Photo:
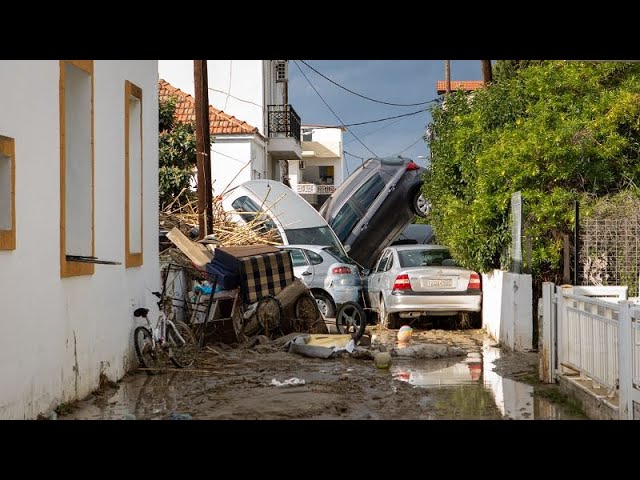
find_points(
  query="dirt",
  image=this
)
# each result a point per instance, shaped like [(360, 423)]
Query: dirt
[(237, 384)]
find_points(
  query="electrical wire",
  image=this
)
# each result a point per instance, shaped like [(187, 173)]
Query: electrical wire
[(364, 96), (404, 150), (331, 109), (385, 119), (376, 130), (229, 87), (234, 97)]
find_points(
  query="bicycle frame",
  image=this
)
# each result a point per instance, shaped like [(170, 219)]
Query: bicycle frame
[(159, 333)]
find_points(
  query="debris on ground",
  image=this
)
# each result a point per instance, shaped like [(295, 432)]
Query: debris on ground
[(287, 383), (180, 416), (428, 350), (382, 360)]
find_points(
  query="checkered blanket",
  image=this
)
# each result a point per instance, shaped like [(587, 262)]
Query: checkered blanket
[(265, 274)]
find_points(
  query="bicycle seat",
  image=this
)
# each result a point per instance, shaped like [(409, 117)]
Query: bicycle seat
[(140, 312)]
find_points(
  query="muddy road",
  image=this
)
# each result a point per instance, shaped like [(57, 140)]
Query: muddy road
[(238, 383)]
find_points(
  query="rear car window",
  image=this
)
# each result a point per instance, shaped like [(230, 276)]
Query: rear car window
[(312, 236), (369, 191), (245, 208), (338, 255), (423, 258), (314, 258), (344, 221)]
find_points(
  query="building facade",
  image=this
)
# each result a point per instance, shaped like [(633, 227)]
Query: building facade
[(320, 171), (78, 185), (255, 91)]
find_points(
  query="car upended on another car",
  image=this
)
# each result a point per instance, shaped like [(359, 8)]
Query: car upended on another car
[(374, 205), (410, 281)]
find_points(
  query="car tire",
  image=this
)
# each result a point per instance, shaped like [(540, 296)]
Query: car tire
[(387, 320), (419, 204), (325, 304)]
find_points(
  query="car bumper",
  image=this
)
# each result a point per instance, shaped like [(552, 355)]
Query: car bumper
[(433, 303), (345, 294)]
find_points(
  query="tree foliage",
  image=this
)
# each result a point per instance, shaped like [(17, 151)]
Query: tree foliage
[(177, 153), (557, 131)]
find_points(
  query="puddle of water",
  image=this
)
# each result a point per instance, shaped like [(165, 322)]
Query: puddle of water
[(470, 389)]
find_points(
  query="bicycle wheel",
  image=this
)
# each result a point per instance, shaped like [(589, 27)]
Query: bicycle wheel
[(148, 357), (351, 319), (182, 354)]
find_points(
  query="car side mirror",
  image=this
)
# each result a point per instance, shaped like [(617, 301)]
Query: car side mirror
[(347, 248)]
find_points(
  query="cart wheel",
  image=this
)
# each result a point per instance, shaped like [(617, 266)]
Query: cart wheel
[(269, 313), (306, 309)]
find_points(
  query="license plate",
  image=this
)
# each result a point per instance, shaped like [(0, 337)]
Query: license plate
[(438, 282)]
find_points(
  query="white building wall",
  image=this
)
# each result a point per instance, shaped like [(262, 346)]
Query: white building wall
[(507, 309), (235, 160), (59, 334)]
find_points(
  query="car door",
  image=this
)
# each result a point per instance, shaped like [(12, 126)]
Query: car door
[(318, 267), (301, 267), (375, 278)]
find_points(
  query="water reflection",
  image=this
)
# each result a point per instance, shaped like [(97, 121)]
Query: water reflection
[(472, 376)]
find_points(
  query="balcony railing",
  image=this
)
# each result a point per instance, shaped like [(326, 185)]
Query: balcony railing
[(283, 120), (311, 189)]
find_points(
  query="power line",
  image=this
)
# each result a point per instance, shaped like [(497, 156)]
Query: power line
[(364, 96), (404, 150), (385, 119), (376, 130), (329, 107), (237, 98)]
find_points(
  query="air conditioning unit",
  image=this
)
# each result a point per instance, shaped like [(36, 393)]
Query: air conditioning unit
[(282, 71), (300, 165)]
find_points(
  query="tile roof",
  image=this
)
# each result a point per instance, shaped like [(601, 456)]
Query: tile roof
[(467, 85), (219, 122)]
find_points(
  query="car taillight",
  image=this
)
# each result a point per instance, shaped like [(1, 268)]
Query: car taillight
[(341, 270), (412, 166), (474, 282), (402, 282)]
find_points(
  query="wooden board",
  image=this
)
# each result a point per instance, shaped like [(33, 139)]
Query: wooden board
[(196, 252)]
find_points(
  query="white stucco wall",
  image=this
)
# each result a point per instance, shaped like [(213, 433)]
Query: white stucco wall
[(229, 157), (507, 309), (59, 334)]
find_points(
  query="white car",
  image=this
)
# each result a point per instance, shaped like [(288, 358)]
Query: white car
[(296, 221), (409, 281)]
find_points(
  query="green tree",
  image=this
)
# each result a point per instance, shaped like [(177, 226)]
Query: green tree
[(557, 131), (177, 153)]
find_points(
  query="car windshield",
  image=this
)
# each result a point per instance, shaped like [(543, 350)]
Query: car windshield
[(339, 256), (425, 258), (313, 236)]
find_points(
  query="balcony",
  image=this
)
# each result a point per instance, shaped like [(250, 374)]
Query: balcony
[(313, 189), (283, 130)]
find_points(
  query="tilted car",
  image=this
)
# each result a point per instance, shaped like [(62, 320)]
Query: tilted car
[(409, 281), (278, 207), (374, 205), (332, 278)]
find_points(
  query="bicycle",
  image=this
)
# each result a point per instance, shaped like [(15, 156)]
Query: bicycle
[(168, 339)]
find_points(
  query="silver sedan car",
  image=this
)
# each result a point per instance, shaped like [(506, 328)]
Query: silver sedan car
[(332, 278), (409, 281)]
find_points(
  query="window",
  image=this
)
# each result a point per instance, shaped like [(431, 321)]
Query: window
[(344, 221), (133, 174), (307, 135), (297, 257), (383, 261), (7, 194), (76, 167), (314, 258), (424, 258), (369, 191), (248, 210)]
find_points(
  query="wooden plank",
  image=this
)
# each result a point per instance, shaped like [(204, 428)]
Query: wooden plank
[(196, 252)]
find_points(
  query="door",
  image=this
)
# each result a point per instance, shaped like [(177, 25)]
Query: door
[(301, 267), (375, 278)]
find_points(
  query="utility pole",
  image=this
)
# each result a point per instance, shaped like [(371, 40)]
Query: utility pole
[(487, 74), (447, 76), (203, 149)]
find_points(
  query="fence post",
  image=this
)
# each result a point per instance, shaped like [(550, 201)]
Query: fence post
[(625, 375), (547, 351)]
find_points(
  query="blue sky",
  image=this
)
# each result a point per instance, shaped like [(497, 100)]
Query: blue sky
[(394, 81)]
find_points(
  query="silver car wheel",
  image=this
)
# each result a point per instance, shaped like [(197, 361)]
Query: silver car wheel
[(322, 306), (422, 204)]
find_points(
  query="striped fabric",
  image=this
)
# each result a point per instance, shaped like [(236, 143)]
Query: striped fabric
[(265, 274)]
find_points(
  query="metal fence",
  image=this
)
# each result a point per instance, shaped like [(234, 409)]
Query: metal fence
[(609, 251)]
